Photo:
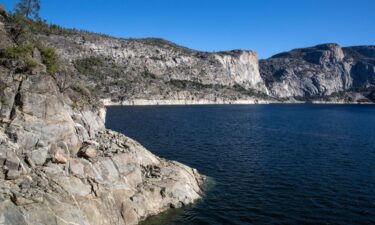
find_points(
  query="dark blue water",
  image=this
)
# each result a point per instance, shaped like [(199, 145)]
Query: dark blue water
[(271, 164)]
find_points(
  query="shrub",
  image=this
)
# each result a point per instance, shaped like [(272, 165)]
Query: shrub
[(50, 59), (249, 92), (81, 96), (87, 66), (84, 91), (193, 85), (24, 53), (21, 53)]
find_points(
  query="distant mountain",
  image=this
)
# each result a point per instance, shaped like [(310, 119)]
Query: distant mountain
[(158, 71), (325, 71), (155, 69)]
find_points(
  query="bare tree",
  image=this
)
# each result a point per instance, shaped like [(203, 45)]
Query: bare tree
[(63, 79)]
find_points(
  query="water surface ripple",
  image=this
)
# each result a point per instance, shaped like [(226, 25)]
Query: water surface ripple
[(270, 164)]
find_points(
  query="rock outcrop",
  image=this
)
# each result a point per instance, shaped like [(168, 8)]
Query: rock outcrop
[(243, 68), (59, 165), (323, 70)]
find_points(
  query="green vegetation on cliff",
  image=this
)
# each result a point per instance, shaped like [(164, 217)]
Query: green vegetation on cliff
[(27, 53), (49, 58)]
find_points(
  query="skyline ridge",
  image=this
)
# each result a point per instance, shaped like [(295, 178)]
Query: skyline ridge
[(269, 26)]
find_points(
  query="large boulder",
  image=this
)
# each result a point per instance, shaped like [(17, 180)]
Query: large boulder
[(59, 165), (116, 189), (39, 115)]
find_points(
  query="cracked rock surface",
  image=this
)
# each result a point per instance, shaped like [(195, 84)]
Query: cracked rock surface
[(59, 165), (52, 174)]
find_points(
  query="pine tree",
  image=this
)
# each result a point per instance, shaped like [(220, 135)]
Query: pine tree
[(28, 9)]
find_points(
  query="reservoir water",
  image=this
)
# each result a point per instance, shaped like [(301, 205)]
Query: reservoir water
[(268, 164)]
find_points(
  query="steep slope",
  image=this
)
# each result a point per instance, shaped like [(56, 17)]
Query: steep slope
[(323, 70), (154, 69), (58, 163)]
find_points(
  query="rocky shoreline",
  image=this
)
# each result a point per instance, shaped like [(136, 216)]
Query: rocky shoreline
[(59, 165), (341, 103), (145, 102)]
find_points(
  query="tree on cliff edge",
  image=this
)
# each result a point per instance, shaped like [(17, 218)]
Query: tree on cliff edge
[(25, 12), (28, 9)]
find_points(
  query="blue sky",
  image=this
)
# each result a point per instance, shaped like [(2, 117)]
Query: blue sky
[(266, 26)]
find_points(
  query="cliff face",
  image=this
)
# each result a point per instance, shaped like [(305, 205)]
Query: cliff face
[(320, 71), (156, 69), (163, 59), (243, 68), (59, 165)]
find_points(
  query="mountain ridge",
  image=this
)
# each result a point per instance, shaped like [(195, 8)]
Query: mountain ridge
[(158, 70)]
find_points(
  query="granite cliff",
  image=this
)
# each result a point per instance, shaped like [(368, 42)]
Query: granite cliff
[(155, 71), (58, 163), (325, 72)]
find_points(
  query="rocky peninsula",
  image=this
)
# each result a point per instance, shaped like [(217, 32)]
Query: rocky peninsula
[(58, 162)]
